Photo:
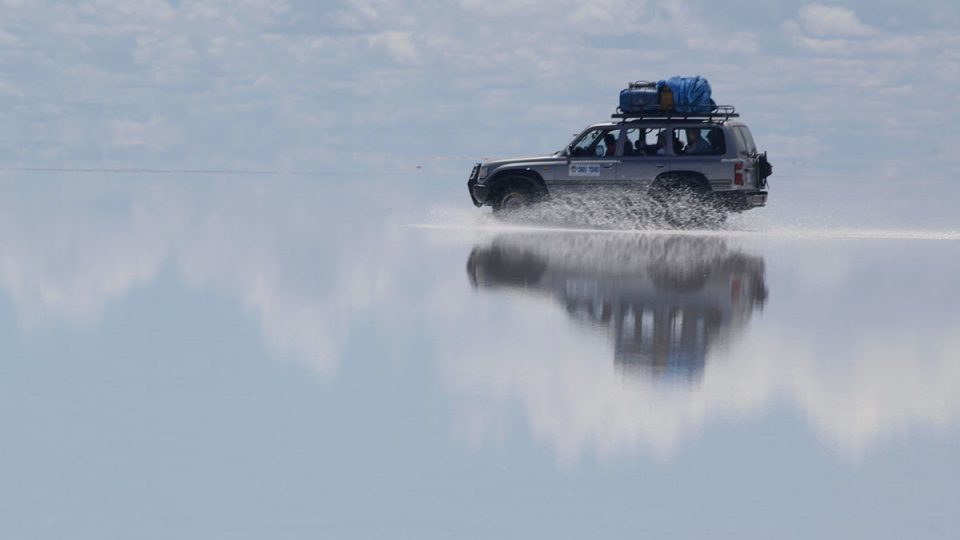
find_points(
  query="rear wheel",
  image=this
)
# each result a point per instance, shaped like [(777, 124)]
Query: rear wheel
[(687, 203)]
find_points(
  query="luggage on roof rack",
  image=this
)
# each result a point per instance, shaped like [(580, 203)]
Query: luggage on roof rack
[(691, 95), (640, 98)]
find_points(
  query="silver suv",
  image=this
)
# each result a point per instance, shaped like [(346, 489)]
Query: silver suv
[(707, 158)]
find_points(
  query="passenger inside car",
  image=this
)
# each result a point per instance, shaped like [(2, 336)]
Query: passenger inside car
[(661, 148), (695, 143), (610, 142)]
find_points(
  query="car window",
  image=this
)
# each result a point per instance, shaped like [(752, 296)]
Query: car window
[(598, 142), (748, 145), (644, 142), (707, 141)]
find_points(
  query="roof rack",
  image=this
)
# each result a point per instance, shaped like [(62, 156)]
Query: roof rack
[(720, 111)]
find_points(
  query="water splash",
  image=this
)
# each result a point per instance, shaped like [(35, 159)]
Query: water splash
[(615, 214)]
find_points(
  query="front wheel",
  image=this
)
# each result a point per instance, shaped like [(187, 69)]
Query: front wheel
[(511, 198)]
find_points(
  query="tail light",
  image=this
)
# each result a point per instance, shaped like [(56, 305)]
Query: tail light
[(738, 173)]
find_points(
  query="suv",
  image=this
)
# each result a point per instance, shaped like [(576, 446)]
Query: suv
[(708, 158)]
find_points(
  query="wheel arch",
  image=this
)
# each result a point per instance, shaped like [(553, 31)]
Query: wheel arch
[(530, 178)]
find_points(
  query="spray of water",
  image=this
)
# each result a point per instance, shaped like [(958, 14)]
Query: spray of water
[(621, 213)]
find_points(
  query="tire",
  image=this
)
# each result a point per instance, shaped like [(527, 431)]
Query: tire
[(514, 196), (687, 203)]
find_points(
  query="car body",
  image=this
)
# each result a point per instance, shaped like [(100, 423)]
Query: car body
[(660, 155)]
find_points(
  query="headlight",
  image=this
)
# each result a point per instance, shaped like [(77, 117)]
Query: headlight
[(482, 173)]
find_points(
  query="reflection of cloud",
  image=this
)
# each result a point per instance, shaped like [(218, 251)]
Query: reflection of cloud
[(58, 260), (572, 397), (70, 247), (665, 302), (858, 387), (875, 385)]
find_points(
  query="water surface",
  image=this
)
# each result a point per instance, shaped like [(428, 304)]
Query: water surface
[(289, 357)]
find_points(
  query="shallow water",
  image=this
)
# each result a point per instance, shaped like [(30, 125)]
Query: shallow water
[(206, 357)]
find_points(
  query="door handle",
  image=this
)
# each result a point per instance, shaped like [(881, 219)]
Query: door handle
[(607, 165), (660, 165)]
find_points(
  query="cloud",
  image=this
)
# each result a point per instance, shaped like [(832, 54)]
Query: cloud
[(7, 39), (11, 90), (399, 45), (202, 66), (795, 147), (829, 21), (154, 134), (795, 33)]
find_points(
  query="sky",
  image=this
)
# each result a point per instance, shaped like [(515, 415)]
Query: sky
[(370, 87)]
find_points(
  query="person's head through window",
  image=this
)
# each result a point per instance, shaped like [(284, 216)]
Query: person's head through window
[(610, 142), (715, 138), (695, 143), (661, 143)]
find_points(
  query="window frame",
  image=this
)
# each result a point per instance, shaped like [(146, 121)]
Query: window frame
[(593, 144), (675, 135)]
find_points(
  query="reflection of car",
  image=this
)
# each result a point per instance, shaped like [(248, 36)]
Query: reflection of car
[(709, 159), (666, 299)]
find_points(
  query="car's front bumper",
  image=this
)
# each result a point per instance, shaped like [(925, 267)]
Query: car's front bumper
[(478, 192)]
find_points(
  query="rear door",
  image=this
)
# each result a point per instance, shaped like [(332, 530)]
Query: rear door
[(699, 149)]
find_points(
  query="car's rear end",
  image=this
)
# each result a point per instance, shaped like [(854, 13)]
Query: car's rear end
[(747, 167)]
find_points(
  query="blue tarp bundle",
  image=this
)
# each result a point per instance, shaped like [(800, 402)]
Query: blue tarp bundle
[(690, 94)]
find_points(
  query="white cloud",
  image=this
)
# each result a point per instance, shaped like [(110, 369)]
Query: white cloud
[(154, 134), (591, 13), (170, 58), (11, 90), (829, 21), (7, 39), (787, 146), (399, 45), (204, 65), (798, 37), (133, 14)]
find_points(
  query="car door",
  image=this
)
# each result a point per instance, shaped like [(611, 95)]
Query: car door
[(701, 150), (645, 155), (591, 160)]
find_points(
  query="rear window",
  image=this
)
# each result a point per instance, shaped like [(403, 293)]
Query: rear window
[(699, 141), (746, 140), (650, 141)]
